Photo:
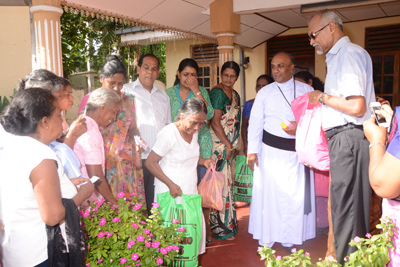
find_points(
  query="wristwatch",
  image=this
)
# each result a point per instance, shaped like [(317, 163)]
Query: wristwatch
[(320, 99)]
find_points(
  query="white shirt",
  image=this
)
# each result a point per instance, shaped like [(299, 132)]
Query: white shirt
[(349, 74), (153, 111), (179, 161), (270, 109), (24, 239), (5, 138)]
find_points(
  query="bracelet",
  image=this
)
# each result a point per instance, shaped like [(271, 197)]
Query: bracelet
[(377, 143), (199, 93), (230, 148), (320, 99)]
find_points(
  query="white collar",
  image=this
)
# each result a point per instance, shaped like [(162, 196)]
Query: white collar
[(138, 83)]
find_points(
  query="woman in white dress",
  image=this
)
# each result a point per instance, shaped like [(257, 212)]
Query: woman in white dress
[(31, 186), (175, 155)]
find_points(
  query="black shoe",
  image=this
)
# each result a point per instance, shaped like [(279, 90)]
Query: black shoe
[(289, 249)]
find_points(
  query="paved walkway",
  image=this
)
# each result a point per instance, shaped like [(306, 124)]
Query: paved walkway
[(242, 251)]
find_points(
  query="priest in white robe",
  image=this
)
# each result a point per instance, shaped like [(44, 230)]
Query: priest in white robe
[(283, 202)]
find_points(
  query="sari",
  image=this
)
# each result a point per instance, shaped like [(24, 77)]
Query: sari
[(123, 166), (223, 223)]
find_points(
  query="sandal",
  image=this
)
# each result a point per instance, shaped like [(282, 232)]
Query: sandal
[(208, 242), (231, 238)]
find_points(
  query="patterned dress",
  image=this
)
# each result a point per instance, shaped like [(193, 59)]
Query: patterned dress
[(123, 163), (224, 223), (204, 139)]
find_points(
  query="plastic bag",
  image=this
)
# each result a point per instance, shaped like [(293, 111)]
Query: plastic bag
[(311, 143), (321, 182), (190, 215), (243, 180), (210, 189)]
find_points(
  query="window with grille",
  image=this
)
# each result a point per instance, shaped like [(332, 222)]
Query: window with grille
[(383, 44), (207, 57)]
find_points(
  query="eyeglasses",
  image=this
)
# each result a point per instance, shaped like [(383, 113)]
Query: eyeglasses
[(312, 36), (226, 76)]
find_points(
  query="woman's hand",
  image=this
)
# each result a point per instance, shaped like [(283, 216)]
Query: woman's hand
[(208, 163), (86, 190), (193, 84), (387, 113), (175, 190), (373, 132), (291, 131), (77, 181), (229, 152), (78, 127)]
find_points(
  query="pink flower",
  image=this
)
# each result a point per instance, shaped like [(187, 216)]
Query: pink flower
[(159, 260), (357, 239), (123, 260), (111, 260), (135, 225), (164, 251), (134, 257), (100, 260), (102, 221), (121, 194), (175, 221), (83, 226), (87, 264), (131, 243), (96, 209), (101, 235), (109, 235), (151, 235), (368, 235), (138, 264), (181, 229), (146, 231), (259, 249), (143, 222), (116, 219), (85, 214), (147, 243), (278, 257), (293, 250), (140, 238), (156, 244), (175, 247), (307, 254), (169, 248), (155, 205), (137, 206), (133, 194)]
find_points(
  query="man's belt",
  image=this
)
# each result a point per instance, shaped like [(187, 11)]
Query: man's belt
[(279, 142), (331, 132), (290, 145)]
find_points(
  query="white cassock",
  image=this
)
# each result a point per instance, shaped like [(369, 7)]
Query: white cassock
[(277, 206)]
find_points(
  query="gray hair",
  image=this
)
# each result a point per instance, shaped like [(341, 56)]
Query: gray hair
[(327, 16), (286, 53), (102, 97), (42, 78), (192, 106)]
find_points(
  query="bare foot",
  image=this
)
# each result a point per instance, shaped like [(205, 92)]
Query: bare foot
[(231, 238)]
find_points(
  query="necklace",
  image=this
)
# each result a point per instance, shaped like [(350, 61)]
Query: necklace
[(294, 90)]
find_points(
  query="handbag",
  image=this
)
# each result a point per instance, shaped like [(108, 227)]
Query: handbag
[(191, 217), (210, 189), (243, 180)]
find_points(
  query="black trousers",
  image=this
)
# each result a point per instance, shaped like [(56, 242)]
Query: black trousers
[(350, 189), (148, 186)]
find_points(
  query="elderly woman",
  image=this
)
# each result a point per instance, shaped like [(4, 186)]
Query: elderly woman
[(30, 191), (384, 170), (123, 159), (101, 110), (175, 155)]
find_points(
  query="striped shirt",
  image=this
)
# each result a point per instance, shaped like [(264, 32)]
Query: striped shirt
[(153, 111)]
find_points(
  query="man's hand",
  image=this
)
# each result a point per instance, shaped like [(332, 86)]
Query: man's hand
[(251, 159), (175, 190), (313, 97), (291, 131)]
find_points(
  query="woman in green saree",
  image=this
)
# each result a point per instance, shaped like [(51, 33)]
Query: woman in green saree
[(225, 130)]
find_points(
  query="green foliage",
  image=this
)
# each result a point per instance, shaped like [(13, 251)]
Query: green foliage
[(5, 102), (371, 251), (114, 235), (86, 38)]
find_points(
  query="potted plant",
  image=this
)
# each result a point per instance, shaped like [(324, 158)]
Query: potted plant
[(122, 236)]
